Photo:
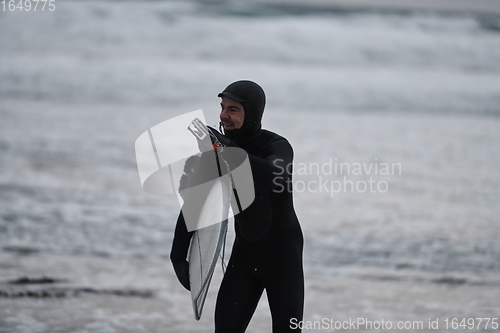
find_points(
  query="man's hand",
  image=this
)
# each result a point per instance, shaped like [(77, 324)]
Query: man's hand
[(221, 138), (200, 131)]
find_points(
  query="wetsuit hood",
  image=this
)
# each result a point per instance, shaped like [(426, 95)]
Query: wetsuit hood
[(253, 99)]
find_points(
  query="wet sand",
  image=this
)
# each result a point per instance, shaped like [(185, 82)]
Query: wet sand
[(340, 294)]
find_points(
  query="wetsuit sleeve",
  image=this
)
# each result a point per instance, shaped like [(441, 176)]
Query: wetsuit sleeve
[(269, 173), (178, 254), (272, 170)]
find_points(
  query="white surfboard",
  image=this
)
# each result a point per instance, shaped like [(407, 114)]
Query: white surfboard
[(207, 243), (161, 153)]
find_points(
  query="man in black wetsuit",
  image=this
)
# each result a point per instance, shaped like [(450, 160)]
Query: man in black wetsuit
[(267, 252)]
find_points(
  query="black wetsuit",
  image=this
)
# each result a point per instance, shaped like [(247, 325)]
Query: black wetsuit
[(267, 252)]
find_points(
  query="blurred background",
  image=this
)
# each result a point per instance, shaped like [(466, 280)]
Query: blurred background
[(84, 249)]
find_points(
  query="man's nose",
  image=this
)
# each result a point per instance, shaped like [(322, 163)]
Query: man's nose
[(223, 114)]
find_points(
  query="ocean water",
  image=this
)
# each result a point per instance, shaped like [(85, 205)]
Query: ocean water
[(171, 52), (419, 90)]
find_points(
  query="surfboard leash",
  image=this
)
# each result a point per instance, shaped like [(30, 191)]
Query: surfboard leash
[(217, 145)]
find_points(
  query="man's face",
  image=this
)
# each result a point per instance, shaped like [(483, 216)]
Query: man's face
[(232, 114)]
